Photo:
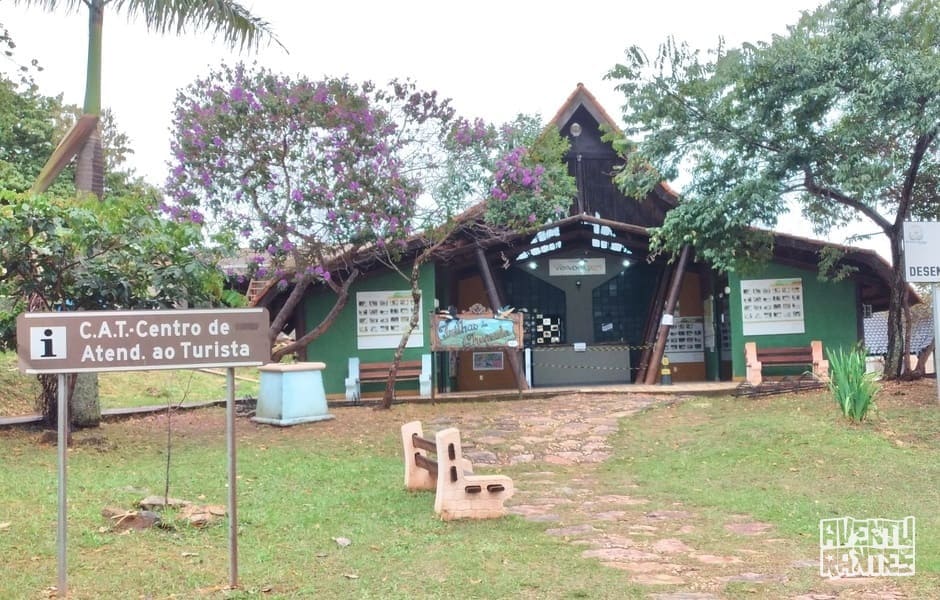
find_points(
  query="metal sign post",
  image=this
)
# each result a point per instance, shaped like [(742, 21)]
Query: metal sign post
[(62, 526), (935, 299), (232, 508), (100, 341)]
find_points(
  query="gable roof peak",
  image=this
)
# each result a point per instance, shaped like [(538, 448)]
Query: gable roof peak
[(581, 96)]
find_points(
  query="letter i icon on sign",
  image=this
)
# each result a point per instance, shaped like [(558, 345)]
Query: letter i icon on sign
[(47, 343)]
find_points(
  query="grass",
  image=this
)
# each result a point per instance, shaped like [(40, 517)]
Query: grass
[(126, 389), (298, 490), (791, 461), (788, 461)]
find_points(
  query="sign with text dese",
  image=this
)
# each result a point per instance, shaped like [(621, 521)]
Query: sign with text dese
[(92, 341), (922, 252)]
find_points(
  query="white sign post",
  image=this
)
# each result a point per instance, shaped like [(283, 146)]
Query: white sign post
[(922, 265), (99, 341)]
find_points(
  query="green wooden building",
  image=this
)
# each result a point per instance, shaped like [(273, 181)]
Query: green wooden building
[(592, 300)]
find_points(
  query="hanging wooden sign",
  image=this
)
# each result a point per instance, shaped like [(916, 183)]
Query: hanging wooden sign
[(476, 329)]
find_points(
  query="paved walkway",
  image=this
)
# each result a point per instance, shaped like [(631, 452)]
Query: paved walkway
[(625, 530)]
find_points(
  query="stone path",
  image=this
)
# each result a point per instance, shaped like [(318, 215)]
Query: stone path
[(625, 531)]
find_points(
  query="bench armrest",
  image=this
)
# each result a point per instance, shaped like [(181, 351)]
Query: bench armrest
[(352, 380), (752, 365), (424, 380)]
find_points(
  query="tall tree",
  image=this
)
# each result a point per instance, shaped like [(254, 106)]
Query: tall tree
[(841, 114), (227, 19), (304, 172), (516, 173), (63, 253)]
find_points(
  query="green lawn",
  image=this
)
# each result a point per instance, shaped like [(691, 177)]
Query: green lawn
[(787, 461), (299, 488), (127, 389), (791, 461)]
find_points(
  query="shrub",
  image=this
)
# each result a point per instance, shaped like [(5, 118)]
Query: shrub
[(852, 388)]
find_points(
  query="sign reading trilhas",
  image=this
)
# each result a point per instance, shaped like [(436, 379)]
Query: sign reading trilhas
[(90, 341)]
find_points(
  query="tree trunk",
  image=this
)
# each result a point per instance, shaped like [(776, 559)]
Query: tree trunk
[(89, 168), (415, 280), (895, 365), (342, 296), (659, 348), (84, 402)]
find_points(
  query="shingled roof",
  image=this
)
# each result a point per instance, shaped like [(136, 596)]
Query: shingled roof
[(876, 333)]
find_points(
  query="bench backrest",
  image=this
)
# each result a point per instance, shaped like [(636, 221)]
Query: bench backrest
[(406, 368), (795, 353)]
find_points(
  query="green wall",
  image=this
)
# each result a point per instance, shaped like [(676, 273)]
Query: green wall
[(830, 315), (339, 342)]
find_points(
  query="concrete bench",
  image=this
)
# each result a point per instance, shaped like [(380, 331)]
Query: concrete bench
[(377, 372), (811, 356), (459, 494)]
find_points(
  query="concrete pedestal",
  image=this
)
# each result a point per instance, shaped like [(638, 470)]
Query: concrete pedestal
[(291, 393)]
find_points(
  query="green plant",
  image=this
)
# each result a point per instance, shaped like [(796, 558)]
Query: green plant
[(852, 388)]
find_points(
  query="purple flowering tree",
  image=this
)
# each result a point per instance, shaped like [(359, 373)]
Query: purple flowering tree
[(306, 173), (517, 172)]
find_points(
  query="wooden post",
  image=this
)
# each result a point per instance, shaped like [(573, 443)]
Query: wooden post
[(490, 284), (674, 289), (653, 316)]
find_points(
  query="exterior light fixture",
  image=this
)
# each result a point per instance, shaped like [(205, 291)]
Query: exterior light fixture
[(533, 265), (575, 129), (625, 262)]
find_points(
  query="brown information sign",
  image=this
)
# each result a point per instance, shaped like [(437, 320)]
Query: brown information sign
[(91, 341)]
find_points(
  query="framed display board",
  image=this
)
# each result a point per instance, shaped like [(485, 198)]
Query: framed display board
[(382, 318), (686, 341), (488, 361), (772, 306)]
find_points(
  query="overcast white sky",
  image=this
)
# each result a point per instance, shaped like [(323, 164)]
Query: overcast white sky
[(493, 58)]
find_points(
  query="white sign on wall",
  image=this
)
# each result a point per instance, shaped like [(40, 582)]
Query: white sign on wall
[(382, 318), (576, 266), (772, 306), (922, 252), (685, 343)]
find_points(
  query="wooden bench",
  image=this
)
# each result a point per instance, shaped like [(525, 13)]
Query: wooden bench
[(377, 372), (459, 494), (812, 356)]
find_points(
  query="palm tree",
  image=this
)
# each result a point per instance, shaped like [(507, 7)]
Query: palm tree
[(225, 18)]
